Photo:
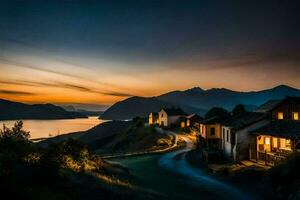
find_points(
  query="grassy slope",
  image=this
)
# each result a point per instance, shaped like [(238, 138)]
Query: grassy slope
[(119, 136), (137, 138)]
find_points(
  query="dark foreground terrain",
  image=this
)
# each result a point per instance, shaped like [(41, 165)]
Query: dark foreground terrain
[(65, 170), (68, 169)]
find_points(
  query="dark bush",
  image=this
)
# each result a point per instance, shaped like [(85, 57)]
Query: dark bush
[(285, 178)]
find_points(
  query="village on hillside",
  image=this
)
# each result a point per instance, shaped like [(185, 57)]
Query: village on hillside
[(265, 136)]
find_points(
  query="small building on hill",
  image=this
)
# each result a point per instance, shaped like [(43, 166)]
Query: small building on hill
[(153, 118), (170, 116)]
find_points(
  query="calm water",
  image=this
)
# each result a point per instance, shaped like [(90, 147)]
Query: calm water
[(50, 128)]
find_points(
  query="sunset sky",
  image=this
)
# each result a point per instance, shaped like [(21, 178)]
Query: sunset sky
[(101, 52)]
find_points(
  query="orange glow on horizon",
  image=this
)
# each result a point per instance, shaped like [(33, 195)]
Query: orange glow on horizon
[(71, 84)]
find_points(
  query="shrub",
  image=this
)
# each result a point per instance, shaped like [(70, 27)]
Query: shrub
[(285, 177)]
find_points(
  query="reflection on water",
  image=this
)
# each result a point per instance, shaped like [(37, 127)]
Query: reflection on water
[(50, 128)]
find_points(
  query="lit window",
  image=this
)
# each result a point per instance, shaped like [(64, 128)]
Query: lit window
[(182, 125), (280, 115), (288, 143), (267, 140), (275, 142), (188, 122), (295, 116)]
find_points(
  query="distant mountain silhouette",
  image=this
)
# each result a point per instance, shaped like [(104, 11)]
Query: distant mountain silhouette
[(10, 110), (196, 100), (72, 108)]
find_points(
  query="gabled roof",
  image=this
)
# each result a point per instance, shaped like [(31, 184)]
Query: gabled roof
[(212, 120), (285, 129), (174, 111), (243, 120), (194, 116), (270, 105), (154, 113)]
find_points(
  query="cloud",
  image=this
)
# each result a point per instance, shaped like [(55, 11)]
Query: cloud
[(118, 94), (57, 84), (89, 90), (14, 92), (251, 61), (36, 48), (56, 72), (24, 65), (15, 83)]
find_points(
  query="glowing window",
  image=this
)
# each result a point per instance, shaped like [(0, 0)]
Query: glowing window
[(182, 125), (275, 142), (288, 143), (280, 115), (295, 116), (188, 122), (267, 140)]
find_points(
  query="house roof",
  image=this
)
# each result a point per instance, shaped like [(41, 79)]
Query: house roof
[(270, 105), (242, 120), (154, 114), (286, 129), (174, 111), (212, 120), (194, 116)]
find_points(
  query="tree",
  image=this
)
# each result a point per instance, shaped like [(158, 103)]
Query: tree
[(66, 154), (14, 147), (240, 108), (217, 112), (15, 133)]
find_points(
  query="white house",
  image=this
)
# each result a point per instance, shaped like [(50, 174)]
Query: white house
[(236, 136), (170, 116)]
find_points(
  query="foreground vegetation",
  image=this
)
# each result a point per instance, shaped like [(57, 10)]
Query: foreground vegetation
[(65, 170)]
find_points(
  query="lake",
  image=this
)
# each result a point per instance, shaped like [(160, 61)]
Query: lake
[(50, 128)]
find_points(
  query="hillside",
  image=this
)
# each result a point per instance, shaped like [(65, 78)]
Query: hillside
[(196, 100), (118, 136), (65, 170), (13, 111)]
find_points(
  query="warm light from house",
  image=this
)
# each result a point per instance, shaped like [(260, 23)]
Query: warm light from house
[(280, 115), (288, 143), (188, 122), (182, 125), (267, 141), (275, 142), (295, 116)]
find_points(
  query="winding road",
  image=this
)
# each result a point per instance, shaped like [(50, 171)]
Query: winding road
[(176, 162), (171, 175)]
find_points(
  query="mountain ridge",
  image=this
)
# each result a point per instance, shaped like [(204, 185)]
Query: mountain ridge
[(10, 110), (196, 100)]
